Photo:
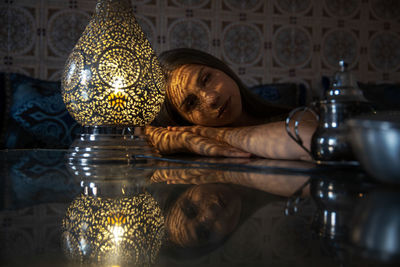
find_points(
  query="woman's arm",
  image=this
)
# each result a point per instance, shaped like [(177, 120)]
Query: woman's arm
[(169, 142), (267, 140), (278, 184)]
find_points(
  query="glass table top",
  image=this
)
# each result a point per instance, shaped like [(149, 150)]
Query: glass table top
[(192, 211)]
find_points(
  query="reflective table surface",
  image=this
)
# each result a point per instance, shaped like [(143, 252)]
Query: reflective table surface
[(193, 211)]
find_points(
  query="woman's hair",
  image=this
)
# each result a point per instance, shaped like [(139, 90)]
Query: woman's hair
[(171, 60)]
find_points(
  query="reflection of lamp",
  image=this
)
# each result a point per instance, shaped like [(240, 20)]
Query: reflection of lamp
[(115, 221), (113, 231), (112, 77)]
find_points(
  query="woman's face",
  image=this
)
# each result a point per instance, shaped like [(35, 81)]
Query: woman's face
[(204, 95), (203, 214)]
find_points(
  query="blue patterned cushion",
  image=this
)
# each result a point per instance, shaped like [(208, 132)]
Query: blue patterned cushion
[(383, 96), (287, 94), (39, 177), (36, 116)]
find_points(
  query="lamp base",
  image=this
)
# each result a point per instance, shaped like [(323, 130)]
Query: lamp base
[(108, 152)]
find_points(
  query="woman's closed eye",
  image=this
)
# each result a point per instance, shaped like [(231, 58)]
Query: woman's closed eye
[(190, 102), (206, 77), (189, 209)]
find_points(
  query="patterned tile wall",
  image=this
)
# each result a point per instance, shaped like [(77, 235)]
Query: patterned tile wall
[(264, 41)]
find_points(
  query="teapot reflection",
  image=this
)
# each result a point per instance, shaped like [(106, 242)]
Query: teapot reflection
[(335, 200), (356, 219)]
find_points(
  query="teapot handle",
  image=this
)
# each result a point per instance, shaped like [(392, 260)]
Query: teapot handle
[(294, 201), (296, 137)]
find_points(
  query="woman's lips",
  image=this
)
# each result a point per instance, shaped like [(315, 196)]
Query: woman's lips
[(222, 109)]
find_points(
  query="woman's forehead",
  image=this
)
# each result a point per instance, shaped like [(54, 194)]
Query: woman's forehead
[(182, 79), (185, 74)]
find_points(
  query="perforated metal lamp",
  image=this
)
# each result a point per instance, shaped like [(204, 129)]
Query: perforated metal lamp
[(125, 231), (112, 79)]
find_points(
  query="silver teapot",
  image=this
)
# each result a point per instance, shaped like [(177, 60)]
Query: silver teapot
[(342, 101)]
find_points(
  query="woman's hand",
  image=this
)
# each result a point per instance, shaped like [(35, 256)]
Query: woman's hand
[(208, 132), (169, 142)]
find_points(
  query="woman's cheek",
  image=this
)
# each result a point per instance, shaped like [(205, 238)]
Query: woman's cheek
[(195, 117)]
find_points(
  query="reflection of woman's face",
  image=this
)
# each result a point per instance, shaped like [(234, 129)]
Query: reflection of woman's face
[(204, 95), (203, 214)]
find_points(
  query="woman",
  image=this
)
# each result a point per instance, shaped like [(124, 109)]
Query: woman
[(216, 115)]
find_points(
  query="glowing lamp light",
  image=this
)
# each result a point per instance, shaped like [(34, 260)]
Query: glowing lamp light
[(112, 76), (126, 231)]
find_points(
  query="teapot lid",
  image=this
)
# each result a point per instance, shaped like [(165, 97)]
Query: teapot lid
[(344, 86)]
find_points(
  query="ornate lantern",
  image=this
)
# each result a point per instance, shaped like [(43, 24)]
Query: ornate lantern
[(112, 81), (112, 77)]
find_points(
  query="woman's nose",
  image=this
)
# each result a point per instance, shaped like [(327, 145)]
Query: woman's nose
[(211, 98), (210, 213)]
